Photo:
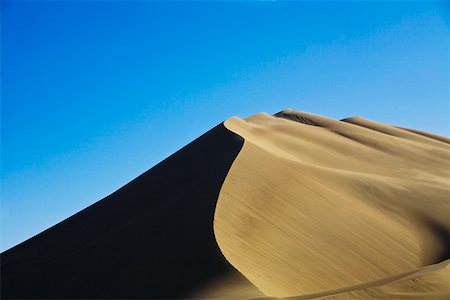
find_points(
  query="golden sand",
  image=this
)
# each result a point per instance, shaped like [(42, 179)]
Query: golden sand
[(315, 207)]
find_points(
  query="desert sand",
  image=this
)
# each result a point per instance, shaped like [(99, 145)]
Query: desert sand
[(316, 207), (292, 205)]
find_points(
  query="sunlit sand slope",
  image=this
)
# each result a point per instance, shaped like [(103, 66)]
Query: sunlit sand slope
[(316, 206)]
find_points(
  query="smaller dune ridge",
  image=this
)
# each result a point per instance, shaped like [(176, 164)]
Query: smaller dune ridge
[(294, 116), (316, 207)]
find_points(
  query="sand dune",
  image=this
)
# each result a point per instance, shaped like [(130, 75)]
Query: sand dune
[(314, 206), (291, 205)]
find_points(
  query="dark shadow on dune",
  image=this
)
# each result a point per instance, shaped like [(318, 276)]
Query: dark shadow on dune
[(153, 238), (296, 117), (443, 235)]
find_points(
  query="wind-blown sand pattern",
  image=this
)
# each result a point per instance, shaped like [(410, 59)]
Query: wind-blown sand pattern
[(292, 205), (314, 207)]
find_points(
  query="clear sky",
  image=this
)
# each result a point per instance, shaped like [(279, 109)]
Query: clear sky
[(95, 93)]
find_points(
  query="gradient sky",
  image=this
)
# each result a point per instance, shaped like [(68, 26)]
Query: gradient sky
[(95, 93)]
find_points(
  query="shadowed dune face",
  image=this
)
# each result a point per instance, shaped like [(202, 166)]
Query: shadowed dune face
[(153, 238), (314, 209)]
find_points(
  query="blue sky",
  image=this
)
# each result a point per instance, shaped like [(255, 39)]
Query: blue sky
[(95, 93)]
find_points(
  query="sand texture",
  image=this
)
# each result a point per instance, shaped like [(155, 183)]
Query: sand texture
[(292, 205), (313, 207)]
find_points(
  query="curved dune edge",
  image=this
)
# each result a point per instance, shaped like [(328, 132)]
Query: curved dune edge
[(314, 206)]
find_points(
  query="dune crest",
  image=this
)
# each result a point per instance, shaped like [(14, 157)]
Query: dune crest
[(313, 205)]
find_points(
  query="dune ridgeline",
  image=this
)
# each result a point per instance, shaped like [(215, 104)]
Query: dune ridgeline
[(291, 205)]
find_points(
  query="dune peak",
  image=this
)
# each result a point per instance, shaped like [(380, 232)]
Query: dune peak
[(353, 118)]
